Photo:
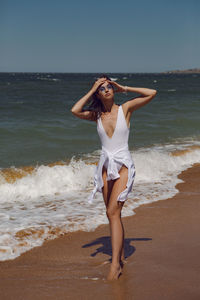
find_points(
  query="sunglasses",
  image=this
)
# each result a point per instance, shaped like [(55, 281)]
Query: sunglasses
[(102, 88)]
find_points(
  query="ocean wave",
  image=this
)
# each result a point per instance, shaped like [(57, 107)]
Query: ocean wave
[(43, 202)]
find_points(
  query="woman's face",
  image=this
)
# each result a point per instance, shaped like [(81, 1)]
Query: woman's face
[(105, 91)]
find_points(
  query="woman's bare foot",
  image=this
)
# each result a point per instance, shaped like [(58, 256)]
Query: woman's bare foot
[(115, 272)]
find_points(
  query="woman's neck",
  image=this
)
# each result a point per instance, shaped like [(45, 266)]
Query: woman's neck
[(108, 105)]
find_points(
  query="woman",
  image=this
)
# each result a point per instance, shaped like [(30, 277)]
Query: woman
[(115, 172)]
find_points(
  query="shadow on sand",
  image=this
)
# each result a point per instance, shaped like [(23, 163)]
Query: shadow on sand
[(105, 246)]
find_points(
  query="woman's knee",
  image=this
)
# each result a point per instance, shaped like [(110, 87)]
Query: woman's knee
[(113, 212)]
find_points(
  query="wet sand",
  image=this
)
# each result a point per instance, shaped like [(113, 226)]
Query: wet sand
[(162, 246)]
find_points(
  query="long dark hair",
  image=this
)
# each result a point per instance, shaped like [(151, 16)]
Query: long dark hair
[(95, 105)]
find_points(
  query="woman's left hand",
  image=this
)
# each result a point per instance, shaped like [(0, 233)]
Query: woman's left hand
[(119, 88)]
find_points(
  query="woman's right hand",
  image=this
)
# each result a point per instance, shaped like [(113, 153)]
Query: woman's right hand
[(97, 84)]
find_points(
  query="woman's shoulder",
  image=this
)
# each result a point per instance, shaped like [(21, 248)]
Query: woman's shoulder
[(125, 108)]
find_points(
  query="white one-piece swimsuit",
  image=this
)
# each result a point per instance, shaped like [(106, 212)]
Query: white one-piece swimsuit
[(114, 154)]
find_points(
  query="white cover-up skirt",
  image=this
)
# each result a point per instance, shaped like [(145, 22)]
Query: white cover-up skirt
[(113, 162)]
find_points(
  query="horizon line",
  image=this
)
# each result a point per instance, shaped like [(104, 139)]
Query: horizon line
[(101, 72)]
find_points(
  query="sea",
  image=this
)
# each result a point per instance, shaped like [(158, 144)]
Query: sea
[(48, 156)]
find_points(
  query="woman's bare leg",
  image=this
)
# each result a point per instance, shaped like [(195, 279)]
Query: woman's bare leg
[(116, 227), (107, 188), (122, 255)]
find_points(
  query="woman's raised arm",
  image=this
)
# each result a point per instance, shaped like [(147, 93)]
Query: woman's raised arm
[(146, 96), (78, 106)]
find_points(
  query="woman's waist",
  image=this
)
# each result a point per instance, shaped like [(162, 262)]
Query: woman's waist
[(121, 156), (116, 152)]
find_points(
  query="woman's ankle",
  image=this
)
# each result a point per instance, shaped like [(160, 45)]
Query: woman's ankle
[(115, 264)]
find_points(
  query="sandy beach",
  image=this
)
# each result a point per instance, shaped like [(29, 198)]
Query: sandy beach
[(162, 246)]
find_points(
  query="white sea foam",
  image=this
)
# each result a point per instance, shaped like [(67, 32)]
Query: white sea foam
[(53, 200), (48, 78)]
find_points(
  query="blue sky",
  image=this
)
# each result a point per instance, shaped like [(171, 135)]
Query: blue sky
[(99, 36)]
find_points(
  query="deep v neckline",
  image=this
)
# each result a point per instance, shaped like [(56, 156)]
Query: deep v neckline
[(110, 138)]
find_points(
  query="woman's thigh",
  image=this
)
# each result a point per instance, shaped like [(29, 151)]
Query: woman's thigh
[(107, 186), (119, 185)]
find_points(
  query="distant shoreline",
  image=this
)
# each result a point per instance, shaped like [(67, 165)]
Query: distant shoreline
[(196, 70)]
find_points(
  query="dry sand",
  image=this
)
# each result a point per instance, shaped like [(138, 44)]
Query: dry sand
[(162, 246)]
